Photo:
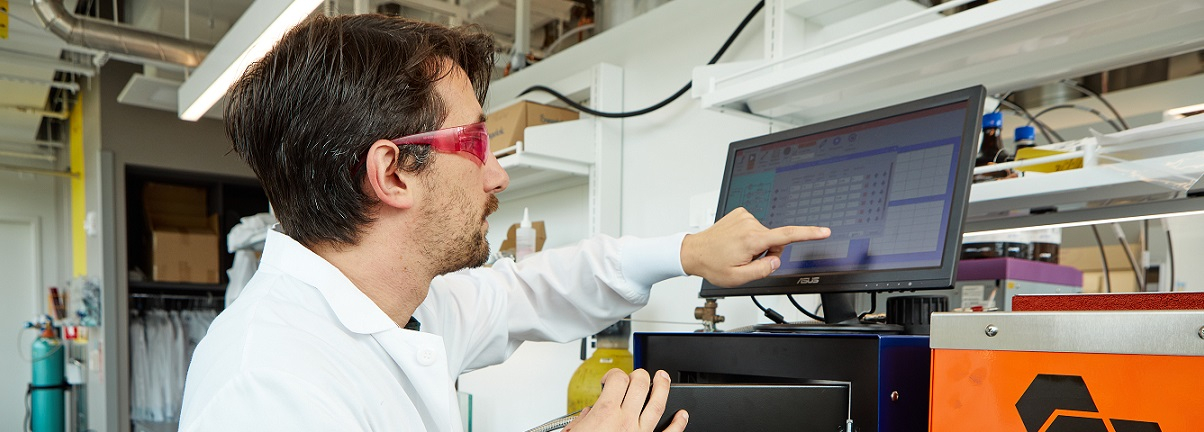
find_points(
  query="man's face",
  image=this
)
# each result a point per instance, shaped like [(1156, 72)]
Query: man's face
[(459, 193)]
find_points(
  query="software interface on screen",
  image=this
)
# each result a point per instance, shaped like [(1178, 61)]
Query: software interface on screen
[(883, 187)]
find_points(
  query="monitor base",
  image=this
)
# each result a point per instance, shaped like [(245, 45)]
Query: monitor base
[(816, 327)]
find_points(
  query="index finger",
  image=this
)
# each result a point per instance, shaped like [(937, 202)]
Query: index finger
[(614, 387), (783, 236)]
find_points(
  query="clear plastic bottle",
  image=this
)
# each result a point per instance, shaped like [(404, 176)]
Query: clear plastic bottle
[(524, 238)]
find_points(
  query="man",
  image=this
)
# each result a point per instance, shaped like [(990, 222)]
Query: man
[(366, 134)]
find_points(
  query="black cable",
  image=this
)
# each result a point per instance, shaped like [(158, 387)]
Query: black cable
[(873, 306), (28, 411), (999, 107), (1103, 256), (1170, 252), (1045, 130), (769, 313), (804, 310), (1080, 108), (1100, 97), (732, 38)]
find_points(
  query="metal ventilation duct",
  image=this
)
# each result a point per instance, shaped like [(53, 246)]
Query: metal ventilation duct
[(106, 36)]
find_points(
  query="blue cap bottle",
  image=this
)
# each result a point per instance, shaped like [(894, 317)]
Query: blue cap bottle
[(992, 120)]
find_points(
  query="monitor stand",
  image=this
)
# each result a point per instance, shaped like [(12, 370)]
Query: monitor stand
[(840, 316)]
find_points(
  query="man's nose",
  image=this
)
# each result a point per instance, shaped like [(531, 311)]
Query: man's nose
[(496, 178)]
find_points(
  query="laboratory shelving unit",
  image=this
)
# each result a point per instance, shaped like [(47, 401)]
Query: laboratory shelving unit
[(1004, 45), (819, 67), (567, 154)]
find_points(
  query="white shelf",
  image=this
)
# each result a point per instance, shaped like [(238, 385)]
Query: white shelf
[(1144, 170), (553, 157), (1004, 45), (587, 151), (534, 173)]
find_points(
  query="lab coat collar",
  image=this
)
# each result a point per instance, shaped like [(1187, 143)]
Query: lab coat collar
[(355, 310)]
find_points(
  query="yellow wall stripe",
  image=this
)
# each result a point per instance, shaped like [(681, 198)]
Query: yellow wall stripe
[(79, 239)]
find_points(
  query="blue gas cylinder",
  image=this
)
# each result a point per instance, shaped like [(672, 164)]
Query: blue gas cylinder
[(47, 404)]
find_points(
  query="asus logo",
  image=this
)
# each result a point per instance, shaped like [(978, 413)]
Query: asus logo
[(807, 280)]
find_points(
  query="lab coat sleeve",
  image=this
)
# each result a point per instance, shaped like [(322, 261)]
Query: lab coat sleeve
[(556, 295), (254, 401)]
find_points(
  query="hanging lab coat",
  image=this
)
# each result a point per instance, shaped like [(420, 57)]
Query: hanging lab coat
[(304, 350)]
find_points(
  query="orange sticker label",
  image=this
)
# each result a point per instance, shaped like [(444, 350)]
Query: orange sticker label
[(1010, 391)]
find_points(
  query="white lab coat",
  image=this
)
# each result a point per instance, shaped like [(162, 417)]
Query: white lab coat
[(304, 350)]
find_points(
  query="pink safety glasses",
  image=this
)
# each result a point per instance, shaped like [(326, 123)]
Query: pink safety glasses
[(470, 138)]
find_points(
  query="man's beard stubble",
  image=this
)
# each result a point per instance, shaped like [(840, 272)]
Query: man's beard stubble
[(467, 248)]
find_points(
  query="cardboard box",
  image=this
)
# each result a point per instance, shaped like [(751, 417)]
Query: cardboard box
[(505, 126), (184, 240)]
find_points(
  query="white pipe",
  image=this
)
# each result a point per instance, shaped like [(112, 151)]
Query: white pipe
[(552, 48), (46, 62), (61, 115), (34, 156), (73, 87), (522, 34), (38, 171), (35, 143)]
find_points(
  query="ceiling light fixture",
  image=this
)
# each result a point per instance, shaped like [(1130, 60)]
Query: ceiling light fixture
[(256, 32)]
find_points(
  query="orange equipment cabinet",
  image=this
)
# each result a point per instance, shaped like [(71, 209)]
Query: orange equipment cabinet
[(1067, 371)]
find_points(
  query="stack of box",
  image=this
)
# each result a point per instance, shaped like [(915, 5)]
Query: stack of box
[(505, 126), (184, 238)]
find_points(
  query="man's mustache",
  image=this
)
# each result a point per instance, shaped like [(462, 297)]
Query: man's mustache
[(490, 206)]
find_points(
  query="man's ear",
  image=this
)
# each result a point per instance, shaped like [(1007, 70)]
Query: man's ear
[(393, 187)]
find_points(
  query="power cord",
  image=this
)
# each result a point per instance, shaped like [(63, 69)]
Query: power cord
[(773, 315), (1048, 133), (28, 425), (1170, 252), (809, 314), (1099, 97), (1103, 256), (873, 306), (1080, 108), (747, 18)]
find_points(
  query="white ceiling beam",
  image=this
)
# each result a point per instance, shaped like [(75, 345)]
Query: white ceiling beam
[(46, 62), (73, 87)]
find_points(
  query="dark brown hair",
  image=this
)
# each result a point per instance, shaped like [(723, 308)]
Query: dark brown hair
[(304, 116)]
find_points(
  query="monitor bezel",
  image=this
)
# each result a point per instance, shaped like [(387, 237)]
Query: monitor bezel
[(870, 280)]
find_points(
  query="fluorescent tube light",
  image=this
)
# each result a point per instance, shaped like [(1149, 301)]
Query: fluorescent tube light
[(256, 32), (1122, 213)]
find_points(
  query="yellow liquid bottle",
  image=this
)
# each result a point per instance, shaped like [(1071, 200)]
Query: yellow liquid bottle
[(612, 352)]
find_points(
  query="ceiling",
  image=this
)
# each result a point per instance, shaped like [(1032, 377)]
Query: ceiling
[(31, 55)]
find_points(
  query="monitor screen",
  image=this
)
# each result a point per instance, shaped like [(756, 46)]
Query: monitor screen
[(891, 184)]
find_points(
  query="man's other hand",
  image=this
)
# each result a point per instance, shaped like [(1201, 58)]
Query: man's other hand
[(622, 407), (729, 253)]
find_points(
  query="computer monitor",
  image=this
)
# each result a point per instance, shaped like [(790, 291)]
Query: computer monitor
[(892, 184)]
